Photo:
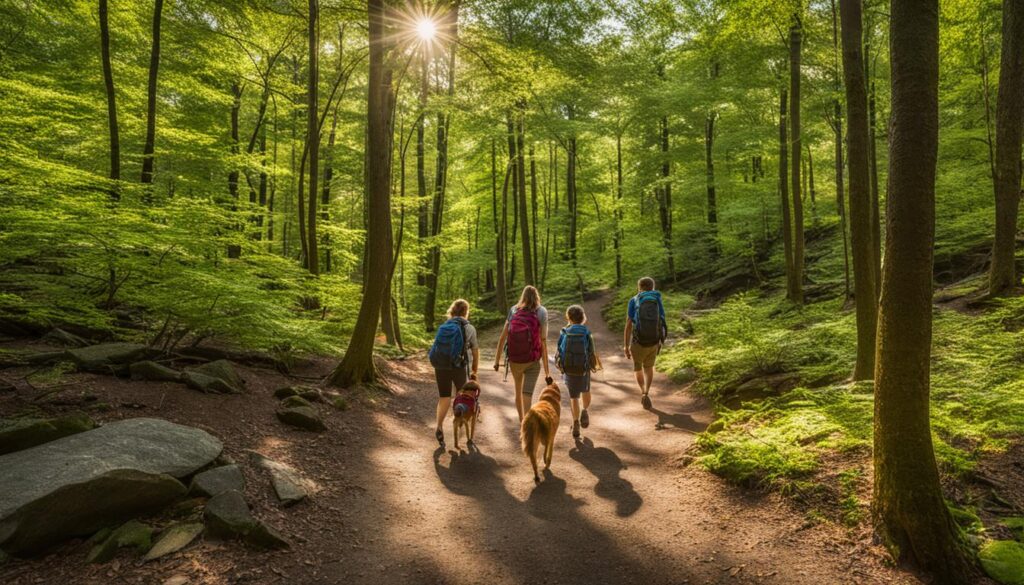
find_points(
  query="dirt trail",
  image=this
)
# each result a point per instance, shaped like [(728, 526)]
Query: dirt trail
[(619, 506)]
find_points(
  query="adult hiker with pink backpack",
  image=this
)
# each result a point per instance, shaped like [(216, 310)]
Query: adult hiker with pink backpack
[(523, 342)]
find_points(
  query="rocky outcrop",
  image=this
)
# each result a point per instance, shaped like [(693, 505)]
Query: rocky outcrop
[(151, 371), (227, 516), (298, 412), (79, 484), (23, 433), (216, 481), (107, 357), (131, 534), (222, 371), (174, 539)]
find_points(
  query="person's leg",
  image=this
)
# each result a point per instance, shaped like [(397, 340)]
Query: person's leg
[(517, 380), (444, 401), (636, 350), (530, 375), (575, 408), (648, 378), (443, 404), (586, 400)]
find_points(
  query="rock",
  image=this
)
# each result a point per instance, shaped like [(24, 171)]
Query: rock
[(217, 481), (78, 484), (312, 395), (303, 417), (288, 483), (23, 433), (46, 357), (174, 539), (106, 356), (1003, 560), (186, 508), (228, 516), (306, 392), (206, 384), (295, 401), (178, 579), (286, 391), (224, 371), (131, 534), (685, 375), (60, 337), (153, 372)]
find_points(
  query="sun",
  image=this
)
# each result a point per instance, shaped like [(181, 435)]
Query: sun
[(426, 29)]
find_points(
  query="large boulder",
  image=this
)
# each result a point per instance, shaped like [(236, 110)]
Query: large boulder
[(79, 484), (217, 481), (23, 433), (107, 357), (228, 516), (221, 370), (153, 372)]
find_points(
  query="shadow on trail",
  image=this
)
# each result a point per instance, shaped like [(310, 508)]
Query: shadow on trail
[(681, 421), (605, 465)]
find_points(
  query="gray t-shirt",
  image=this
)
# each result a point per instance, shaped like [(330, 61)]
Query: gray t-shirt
[(471, 342), (542, 316)]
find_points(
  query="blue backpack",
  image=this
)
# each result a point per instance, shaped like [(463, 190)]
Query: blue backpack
[(574, 350), (449, 349), (649, 328)]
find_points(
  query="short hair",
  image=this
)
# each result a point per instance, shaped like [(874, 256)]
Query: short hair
[(575, 314), (645, 283), (459, 308)]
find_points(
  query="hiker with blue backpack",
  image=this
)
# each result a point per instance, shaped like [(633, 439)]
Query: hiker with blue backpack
[(646, 330), (576, 358), (523, 342), (455, 357)]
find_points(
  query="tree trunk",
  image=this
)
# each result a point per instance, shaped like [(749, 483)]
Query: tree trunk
[(709, 165), (858, 137), (528, 274), (533, 213), (1009, 112), (618, 209), (108, 81), (236, 105), (325, 195), (796, 293), (357, 366), (841, 198), (313, 134), (665, 199), (263, 183), (423, 215), (500, 294), (909, 512), (876, 216), (154, 65), (787, 221)]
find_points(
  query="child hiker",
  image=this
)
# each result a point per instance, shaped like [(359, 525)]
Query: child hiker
[(576, 359)]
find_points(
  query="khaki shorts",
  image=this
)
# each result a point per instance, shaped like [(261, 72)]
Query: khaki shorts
[(528, 373), (643, 357)]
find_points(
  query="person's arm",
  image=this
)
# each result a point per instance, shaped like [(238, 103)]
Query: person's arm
[(544, 357), (626, 337), (476, 360), (501, 346)]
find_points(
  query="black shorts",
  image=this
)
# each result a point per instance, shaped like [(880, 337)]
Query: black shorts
[(449, 379)]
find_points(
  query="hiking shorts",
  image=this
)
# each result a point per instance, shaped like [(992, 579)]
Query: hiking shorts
[(643, 357), (528, 373), (449, 379), (576, 384)]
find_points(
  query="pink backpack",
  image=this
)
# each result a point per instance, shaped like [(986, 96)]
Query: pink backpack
[(523, 345)]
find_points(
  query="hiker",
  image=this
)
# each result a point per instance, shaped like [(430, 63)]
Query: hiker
[(523, 341), (645, 333), (450, 355), (576, 358)]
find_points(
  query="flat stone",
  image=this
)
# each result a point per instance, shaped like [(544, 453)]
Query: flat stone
[(303, 417), (131, 534), (105, 356), (228, 516), (206, 384), (76, 485), (286, 391), (153, 372), (174, 539), (217, 481), (294, 401), (289, 486), (61, 337), (24, 433)]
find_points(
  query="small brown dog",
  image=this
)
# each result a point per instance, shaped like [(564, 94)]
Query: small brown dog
[(540, 425), (466, 409)]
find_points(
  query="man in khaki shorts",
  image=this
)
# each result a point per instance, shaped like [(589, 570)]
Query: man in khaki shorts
[(645, 333)]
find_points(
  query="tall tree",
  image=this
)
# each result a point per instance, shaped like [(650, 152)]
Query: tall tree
[(154, 65), (108, 81), (500, 290), (1009, 113), (528, 272), (837, 128), (313, 134), (857, 137), (357, 366), (796, 293), (787, 219), (909, 511), (665, 198)]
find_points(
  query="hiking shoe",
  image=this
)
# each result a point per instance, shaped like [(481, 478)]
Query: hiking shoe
[(645, 400), (575, 429), (584, 419), (440, 437)]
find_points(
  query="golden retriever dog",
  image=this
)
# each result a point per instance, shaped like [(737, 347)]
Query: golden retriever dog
[(466, 410), (540, 425)]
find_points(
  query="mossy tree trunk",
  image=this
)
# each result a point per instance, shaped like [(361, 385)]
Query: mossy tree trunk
[(787, 220), (154, 66), (1009, 111), (858, 155), (796, 283), (108, 82), (909, 512)]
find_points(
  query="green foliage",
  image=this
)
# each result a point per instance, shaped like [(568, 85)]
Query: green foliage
[(1003, 560)]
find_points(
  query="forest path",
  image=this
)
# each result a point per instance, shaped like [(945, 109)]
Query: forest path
[(619, 506)]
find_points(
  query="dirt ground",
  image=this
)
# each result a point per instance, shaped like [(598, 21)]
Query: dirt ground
[(619, 506)]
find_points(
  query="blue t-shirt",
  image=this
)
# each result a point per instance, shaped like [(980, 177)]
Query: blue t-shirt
[(633, 307)]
